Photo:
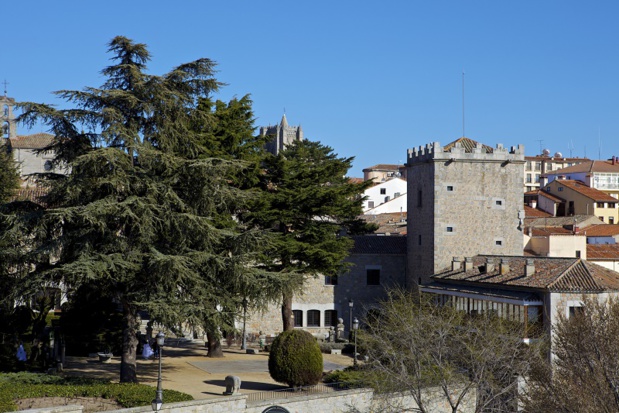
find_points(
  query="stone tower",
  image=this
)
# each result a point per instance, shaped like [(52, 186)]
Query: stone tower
[(464, 199), (282, 135), (7, 118)]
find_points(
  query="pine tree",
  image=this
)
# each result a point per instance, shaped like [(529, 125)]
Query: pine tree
[(309, 203), (140, 215), (9, 175)]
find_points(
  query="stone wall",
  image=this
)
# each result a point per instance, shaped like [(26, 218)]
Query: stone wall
[(358, 400)]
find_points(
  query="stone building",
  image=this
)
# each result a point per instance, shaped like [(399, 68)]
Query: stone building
[(282, 134), (464, 199), (7, 117), (377, 263)]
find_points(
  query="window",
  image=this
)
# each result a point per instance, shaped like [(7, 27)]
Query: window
[(450, 229), (548, 189), (370, 204), (600, 204), (298, 318), (538, 166), (330, 318), (48, 165), (397, 194), (330, 279), (549, 167), (611, 220), (373, 276), (313, 318), (575, 311), (560, 189), (419, 239), (419, 198), (387, 198), (450, 188), (498, 202), (601, 219), (577, 253), (537, 178), (529, 165), (611, 205), (383, 191), (498, 242), (529, 178)]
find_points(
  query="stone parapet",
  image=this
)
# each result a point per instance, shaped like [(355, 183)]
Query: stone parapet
[(435, 152)]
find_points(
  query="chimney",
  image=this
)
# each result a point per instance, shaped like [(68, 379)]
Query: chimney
[(455, 264), (529, 268), (468, 263), (489, 265), (504, 266)]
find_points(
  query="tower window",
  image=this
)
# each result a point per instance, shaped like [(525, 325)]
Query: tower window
[(373, 276), (330, 318), (450, 188), (383, 191), (450, 229)]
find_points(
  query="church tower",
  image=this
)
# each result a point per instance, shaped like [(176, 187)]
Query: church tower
[(282, 135), (7, 118), (464, 199)]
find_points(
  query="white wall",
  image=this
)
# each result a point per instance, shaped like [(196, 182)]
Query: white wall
[(390, 189)]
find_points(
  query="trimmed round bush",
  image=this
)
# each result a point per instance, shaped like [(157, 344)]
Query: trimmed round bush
[(295, 359)]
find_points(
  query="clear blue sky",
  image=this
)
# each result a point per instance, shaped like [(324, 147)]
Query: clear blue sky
[(368, 78)]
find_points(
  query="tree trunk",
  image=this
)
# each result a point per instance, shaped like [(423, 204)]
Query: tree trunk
[(287, 311), (213, 344), (128, 361)]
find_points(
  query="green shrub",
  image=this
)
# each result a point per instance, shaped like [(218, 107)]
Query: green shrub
[(26, 385), (295, 359), (350, 376)]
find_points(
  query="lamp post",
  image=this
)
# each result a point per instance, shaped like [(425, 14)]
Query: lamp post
[(244, 339), (158, 401), (351, 304), (355, 327)]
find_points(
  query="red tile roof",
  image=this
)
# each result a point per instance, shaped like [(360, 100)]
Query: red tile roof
[(383, 167), (585, 190), (602, 230), (550, 196), (535, 213), (603, 251), (34, 194), (356, 180), (551, 274), (546, 231), (34, 141), (468, 145), (588, 166)]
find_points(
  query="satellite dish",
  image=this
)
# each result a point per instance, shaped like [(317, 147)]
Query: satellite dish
[(546, 152), (558, 155)]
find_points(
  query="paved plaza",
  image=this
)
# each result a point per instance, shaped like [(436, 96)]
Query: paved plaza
[(186, 368)]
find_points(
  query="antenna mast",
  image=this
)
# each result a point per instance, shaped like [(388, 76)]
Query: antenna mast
[(541, 149), (463, 134)]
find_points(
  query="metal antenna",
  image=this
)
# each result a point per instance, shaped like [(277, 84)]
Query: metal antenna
[(5, 83), (463, 134), (541, 143), (599, 144)]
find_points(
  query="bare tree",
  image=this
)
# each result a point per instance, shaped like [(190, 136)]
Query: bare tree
[(583, 374), (437, 355)]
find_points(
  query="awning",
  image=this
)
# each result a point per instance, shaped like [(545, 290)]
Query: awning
[(479, 293)]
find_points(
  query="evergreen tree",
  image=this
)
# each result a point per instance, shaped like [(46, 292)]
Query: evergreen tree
[(309, 203), (9, 175), (140, 213)]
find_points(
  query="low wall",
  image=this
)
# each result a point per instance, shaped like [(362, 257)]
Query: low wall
[(357, 400)]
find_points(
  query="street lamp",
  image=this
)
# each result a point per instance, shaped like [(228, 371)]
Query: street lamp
[(244, 339), (355, 327), (350, 305), (158, 401)]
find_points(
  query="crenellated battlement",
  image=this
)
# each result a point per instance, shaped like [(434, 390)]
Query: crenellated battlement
[(469, 151)]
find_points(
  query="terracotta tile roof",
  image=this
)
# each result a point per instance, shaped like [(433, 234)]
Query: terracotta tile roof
[(468, 145), (551, 274), (550, 196), (546, 231), (581, 221), (588, 166), (373, 244), (603, 251), (535, 213), (585, 190), (356, 180), (34, 194), (393, 223), (602, 230), (34, 141), (384, 167)]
